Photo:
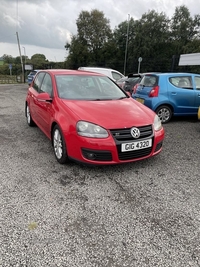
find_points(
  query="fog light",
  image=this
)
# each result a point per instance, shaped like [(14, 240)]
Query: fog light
[(90, 155)]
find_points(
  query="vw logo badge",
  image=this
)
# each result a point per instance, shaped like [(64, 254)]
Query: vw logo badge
[(135, 132)]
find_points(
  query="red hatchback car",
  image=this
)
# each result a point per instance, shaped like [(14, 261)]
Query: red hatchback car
[(90, 119)]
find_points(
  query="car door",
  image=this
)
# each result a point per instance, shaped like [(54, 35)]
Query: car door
[(45, 108), (197, 90), (34, 90), (182, 94)]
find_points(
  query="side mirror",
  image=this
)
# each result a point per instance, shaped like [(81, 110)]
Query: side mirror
[(44, 97)]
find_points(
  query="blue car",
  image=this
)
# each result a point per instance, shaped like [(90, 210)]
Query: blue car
[(31, 75), (170, 94)]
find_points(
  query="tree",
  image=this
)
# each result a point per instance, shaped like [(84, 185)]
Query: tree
[(93, 32), (39, 61), (8, 59), (151, 38), (184, 29), (159, 40), (78, 54), (146, 37)]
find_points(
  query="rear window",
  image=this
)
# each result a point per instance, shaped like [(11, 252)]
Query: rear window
[(32, 73), (116, 76), (132, 81), (149, 81)]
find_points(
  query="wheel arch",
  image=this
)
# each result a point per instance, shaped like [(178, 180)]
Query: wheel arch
[(52, 127), (165, 104), (26, 103)]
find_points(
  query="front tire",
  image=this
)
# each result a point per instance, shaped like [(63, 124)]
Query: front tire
[(164, 113), (28, 116), (59, 145)]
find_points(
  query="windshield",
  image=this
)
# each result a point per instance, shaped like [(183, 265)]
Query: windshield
[(88, 87)]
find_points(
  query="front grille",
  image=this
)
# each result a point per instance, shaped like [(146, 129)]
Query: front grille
[(96, 155), (124, 136), (121, 135)]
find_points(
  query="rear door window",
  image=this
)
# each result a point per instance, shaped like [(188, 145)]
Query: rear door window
[(197, 82), (184, 82)]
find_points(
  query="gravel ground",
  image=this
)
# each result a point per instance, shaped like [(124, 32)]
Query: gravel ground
[(141, 214)]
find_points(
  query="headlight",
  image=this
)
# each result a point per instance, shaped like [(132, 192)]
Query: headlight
[(88, 129), (157, 123)]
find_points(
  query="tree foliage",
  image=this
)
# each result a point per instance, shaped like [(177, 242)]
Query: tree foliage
[(93, 30), (159, 40), (8, 59), (184, 29), (38, 61), (88, 46)]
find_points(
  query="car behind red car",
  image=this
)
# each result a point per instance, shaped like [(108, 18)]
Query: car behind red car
[(90, 119)]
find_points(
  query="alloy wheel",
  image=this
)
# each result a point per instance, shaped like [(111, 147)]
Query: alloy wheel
[(164, 113), (58, 144), (28, 115)]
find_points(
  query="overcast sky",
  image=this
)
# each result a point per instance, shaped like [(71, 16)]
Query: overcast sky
[(44, 26)]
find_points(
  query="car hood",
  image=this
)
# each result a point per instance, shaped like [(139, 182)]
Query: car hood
[(112, 114)]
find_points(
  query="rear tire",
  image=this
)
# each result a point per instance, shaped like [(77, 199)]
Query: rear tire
[(59, 145), (164, 113)]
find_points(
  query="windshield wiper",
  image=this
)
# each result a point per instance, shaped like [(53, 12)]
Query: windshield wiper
[(121, 98), (101, 99), (107, 99)]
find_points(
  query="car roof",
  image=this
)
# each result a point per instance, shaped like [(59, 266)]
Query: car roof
[(171, 73), (95, 68), (72, 72)]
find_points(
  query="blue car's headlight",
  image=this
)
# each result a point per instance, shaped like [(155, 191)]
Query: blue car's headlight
[(88, 129)]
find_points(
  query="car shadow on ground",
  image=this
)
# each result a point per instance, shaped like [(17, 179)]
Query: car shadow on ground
[(192, 119)]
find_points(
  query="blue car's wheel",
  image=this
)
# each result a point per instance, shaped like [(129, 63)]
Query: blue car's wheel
[(164, 113)]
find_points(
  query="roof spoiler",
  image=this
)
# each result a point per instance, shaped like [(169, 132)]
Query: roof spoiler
[(130, 75)]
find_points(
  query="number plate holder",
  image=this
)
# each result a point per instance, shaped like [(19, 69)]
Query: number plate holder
[(136, 145), (140, 100)]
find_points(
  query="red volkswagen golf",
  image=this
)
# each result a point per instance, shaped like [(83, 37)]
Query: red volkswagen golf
[(90, 119)]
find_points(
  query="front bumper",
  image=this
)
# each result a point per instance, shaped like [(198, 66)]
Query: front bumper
[(108, 151)]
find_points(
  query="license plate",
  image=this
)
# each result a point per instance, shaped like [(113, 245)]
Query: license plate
[(140, 100), (136, 145)]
